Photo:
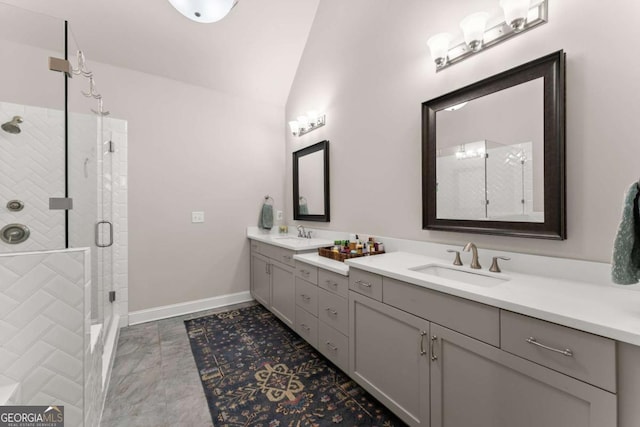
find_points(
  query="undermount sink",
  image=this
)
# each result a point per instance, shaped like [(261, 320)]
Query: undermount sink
[(289, 238), (464, 276)]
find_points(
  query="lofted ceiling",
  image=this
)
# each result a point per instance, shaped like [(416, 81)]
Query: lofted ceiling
[(253, 52)]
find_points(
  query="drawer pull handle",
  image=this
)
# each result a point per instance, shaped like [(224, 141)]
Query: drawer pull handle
[(305, 272), (434, 339), (422, 350), (330, 283), (305, 297), (287, 257), (566, 352), (331, 311), (364, 284), (331, 346), (305, 327)]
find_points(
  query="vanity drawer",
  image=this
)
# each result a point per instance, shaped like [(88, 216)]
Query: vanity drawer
[(365, 283), (333, 310), (592, 358), (307, 272), (282, 255), (260, 248), (334, 345), (471, 318), (334, 282), (307, 296), (307, 326)]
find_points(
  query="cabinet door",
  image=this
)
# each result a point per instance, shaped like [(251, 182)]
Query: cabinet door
[(260, 279), (283, 292), (388, 357), (475, 384)]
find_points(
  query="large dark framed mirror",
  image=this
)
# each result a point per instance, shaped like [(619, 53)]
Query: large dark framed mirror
[(493, 154), (311, 183)]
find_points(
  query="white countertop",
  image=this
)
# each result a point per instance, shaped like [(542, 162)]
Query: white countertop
[(603, 309), (287, 241), (323, 262)]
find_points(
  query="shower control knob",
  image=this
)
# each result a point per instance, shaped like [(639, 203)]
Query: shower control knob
[(15, 205), (14, 233)]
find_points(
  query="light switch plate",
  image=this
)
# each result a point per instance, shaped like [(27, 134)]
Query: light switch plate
[(197, 217), (279, 215)]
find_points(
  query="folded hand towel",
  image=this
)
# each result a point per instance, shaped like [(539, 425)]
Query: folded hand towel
[(304, 209), (625, 265), (266, 216)]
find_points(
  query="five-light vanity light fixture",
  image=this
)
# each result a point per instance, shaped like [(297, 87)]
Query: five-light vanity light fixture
[(519, 15), (305, 124)]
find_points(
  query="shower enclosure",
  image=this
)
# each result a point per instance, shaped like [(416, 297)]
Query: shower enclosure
[(487, 180), (61, 173)]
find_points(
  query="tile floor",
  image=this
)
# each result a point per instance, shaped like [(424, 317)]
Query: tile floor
[(155, 381)]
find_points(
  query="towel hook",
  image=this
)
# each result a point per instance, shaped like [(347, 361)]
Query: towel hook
[(267, 198)]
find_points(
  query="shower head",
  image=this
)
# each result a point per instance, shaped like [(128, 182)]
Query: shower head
[(12, 126)]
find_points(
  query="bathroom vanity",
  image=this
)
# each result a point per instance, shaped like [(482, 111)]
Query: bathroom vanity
[(451, 361), (447, 346), (322, 306), (273, 271)]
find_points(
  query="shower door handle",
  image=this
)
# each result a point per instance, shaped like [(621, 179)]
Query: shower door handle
[(98, 244)]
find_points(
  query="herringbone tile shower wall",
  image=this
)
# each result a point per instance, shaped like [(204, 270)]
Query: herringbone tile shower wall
[(42, 328), (32, 170)]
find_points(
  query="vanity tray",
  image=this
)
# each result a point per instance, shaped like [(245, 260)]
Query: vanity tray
[(338, 256)]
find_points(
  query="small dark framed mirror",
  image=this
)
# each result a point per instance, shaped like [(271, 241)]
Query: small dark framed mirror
[(311, 183), (493, 154)]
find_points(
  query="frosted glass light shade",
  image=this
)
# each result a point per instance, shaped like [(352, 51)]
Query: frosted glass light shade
[(295, 127), (473, 27), (303, 122), (313, 117), (439, 46), (515, 12), (204, 11)]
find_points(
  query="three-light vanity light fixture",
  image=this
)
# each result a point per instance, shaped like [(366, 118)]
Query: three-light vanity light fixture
[(305, 124), (519, 15)]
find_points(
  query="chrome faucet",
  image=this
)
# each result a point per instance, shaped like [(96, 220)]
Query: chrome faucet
[(474, 255), (301, 231)]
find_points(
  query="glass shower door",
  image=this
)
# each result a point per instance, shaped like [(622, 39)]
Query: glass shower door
[(104, 225)]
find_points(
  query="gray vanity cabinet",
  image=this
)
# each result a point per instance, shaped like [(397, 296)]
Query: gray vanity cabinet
[(272, 280), (442, 361), (283, 299), (475, 384), (260, 279), (389, 357)]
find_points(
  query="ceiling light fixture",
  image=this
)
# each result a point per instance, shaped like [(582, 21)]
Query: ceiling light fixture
[(204, 11)]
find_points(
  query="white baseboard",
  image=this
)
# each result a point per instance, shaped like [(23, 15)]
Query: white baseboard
[(164, 312)]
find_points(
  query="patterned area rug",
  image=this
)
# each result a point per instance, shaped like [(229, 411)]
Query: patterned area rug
[(257, 372)]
